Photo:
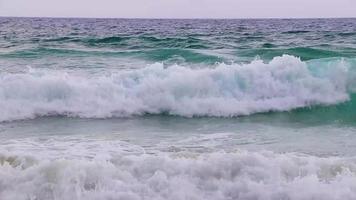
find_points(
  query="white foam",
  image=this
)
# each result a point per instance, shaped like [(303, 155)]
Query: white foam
[(165, 176), (283, 84)]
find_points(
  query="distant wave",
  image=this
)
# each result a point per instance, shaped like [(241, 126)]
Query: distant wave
[(191, 53), (283, 84), (132, 42), (268, 51), (295, 32), (155, 55)]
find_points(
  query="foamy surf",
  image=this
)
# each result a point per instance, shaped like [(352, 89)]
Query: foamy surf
[(129, 173), (283, 84)]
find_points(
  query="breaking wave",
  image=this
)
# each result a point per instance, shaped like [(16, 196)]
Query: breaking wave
[(283, 84), (235, 175)]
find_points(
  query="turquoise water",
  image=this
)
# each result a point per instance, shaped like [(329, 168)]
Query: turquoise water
[(177, 109)]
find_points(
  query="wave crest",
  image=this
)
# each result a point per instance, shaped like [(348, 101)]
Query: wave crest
[(283, 84)]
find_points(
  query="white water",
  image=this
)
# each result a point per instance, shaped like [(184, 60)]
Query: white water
[(283, 84), (65, 168), (174, 158)]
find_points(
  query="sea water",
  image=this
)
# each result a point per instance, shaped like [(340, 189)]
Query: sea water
[(177, 109)]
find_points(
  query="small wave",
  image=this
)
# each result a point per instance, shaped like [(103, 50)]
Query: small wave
[(305, 53), (61, 39), (268, 45), (156, 55), (347, 34), (295, 32), (106, 40), (130, 42), (284, 84)]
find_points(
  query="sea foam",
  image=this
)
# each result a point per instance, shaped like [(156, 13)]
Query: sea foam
[(283, 84), (215, 176)]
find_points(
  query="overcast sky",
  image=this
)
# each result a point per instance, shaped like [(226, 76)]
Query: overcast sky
[(179, 8)]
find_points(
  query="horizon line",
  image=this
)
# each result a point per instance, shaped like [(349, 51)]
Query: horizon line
[(173, 18)]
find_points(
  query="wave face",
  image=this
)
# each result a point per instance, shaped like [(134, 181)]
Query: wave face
[(215, 176), (283, 84)]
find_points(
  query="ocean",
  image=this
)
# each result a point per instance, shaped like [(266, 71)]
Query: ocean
[(131, 109)]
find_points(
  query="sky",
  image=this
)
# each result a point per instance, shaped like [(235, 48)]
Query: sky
[(179, 8)]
